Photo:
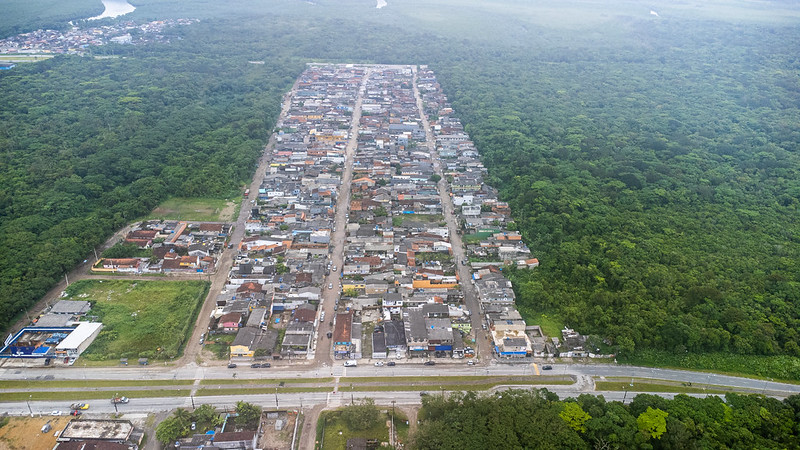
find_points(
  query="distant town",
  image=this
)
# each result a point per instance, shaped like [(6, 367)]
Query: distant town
[(77, 40)]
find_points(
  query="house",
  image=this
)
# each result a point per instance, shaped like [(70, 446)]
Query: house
[(230, 322), (250, 340), (297, 339), (342, 338)]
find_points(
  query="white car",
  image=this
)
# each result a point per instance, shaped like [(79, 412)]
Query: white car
[(379, 364), (55, 413), (330, 285)]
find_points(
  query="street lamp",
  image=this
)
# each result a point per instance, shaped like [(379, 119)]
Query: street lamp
[(276, 397), (29, 404), (116, 395)]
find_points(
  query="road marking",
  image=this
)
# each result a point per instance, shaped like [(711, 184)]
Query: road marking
[(535, 368)]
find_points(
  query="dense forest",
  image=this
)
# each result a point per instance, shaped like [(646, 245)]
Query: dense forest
[(89, 145), (537, 419), (650, 161)]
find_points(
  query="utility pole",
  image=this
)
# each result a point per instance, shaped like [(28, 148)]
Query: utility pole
[(192, 398), (276, 397), (115, 403), (29, 404), (391, 436)]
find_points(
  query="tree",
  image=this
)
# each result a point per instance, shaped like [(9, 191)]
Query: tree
[(361, 415), (575, 416), (206, 417), (248, 415), (435, 177), (171, 429), (653, 422)]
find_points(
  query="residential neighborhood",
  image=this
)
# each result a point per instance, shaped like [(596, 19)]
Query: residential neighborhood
[(77, 39)]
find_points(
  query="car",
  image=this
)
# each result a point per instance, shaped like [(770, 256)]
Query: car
[(430, 363), (322, 316), (55, 413), (391, 364), (255, 366), (194, 426), (329, 334), (471, 362), (119, 400), (548, 367), (335, 307), (379, 364), (351, 363), (231, 366), (334, 268), (79, 406), (76, 412), (483, 326), (330, 285), (266, 365), (423, 394)]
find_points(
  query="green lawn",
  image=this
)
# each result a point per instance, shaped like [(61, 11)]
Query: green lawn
[(642, 385), (75, 396), (332, 432), (551, 324), (148, 319), (197, 209)]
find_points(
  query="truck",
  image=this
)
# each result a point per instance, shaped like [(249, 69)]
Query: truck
[(350, 363), (247, 193), (116, 400)]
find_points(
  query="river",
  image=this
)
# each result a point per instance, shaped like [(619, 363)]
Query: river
[(115, 8)]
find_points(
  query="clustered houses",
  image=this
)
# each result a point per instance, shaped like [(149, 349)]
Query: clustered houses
[(282, 261), (483, 219), (176, 246), (399, 274), (77, 39)]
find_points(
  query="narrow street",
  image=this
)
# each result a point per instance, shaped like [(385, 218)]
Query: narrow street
[(323, 353), (482, 348)]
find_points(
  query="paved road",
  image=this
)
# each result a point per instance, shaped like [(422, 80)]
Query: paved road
[(324, 349), (482, 346)]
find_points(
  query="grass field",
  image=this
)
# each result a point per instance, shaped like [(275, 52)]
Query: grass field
[(145, 319), (650, 385), (333, 432), (102, 395), (198, 209)]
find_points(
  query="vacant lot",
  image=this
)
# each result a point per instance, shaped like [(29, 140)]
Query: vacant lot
[(333, 432), (149, 319), (25, 433), (198, 209)]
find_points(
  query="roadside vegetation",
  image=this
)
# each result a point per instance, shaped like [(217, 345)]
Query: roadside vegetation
[(141, 319), (362, 419), (517, 419)]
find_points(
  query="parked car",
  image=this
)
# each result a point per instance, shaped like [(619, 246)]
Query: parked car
[(391, 364), (119, 400), (548, 367), (76, 412), (329, 334), (266, 365), (55, 413), (255, 366), (350, 363), (79, 406), (231, 366), (378, 363), (430, 363), (330, 285), (471, 362)]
